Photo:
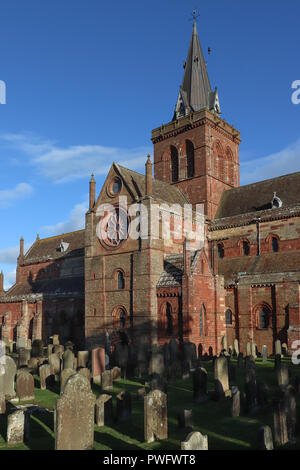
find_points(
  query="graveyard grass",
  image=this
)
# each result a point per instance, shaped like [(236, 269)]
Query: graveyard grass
[(212, 418)]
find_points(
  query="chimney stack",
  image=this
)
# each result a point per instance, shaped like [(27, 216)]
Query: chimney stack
[(92, 192), (2, 292), (148, 189), (21, 248)]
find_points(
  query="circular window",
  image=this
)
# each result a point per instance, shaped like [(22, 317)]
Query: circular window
[(115, 187), (114, 228)]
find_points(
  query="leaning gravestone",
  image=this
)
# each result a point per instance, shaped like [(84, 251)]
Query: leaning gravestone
[(25, 386), (46, 376), (15, 428), (155, 416), (195, 441), (123, 406), (74, 415), (104, 410), (8, 370), (265, 438), (221, 377)]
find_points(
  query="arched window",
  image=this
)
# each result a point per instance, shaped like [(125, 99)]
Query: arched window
[(190, 158), (275, 244), (246, 247), (122, 318), (228, 317), (221, 250), (202, 321), (174, 163), (264, 317), (121, 280), (169, 319)]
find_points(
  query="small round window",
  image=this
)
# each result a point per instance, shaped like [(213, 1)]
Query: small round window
[(115, 186)]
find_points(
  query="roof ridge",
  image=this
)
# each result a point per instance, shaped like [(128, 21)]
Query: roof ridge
[(60, 235), (264, 181)]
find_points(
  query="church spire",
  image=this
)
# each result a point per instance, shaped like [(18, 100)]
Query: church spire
[(195, 92)]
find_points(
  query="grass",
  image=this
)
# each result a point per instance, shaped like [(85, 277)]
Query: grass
[(211, 418)]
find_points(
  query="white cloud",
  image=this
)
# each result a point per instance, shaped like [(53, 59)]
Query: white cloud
[(280, 163), (60, 164), (10, 255), (22, 190), (76, 221), (9, 279)]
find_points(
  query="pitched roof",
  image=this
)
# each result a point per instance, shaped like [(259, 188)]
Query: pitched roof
[(49, 248), (258, 196), (61, 286), (195, 91), (285, 261), (173, 271), (160, 190)]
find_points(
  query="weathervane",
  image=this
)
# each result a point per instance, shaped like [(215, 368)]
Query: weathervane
[(195, 15)]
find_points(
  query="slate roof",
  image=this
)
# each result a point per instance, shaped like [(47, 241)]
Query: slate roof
[(160, 190), (173, 271), (287, 261), (61, 286), (257, 197), (49, 248)]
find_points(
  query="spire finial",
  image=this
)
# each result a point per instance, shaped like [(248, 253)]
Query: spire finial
[(195, 15)]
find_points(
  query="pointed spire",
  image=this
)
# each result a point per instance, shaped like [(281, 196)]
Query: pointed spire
[(2, 291), (21, 247), (148, 165), (92, 192), (195, 92)]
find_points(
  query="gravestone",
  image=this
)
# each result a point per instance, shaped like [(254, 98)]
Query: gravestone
[(155, 416), (265, 438), (158, 383), (140, 394), (190, 354), (37, 348), (121, 355), (280, 421), (185, 419), (25, 386), (224, 343), (68, 359), (248, 349), (46, 376), (289, 404), (85, 372), (75, 415), (50, 348), (106, 380), (8, 370), (82, 358), (54, 361), (236, 402), (123, 406), (157, 365), (59, 350), (55, 339), (284, 348), (253, 350), (278, 349), (221, 377), (236, 348), (264, 353), (282, 375), (64, 375), (200, 385), (24, 356), (250, 369), (195, 441), (15, 428), (98, 363), (2, 404), (33, 365), (116, 373), (104, 410)]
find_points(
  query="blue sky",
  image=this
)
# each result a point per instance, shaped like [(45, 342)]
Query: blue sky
[(88, 80)]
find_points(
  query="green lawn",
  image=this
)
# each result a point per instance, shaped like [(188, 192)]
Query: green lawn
[(211, 418)]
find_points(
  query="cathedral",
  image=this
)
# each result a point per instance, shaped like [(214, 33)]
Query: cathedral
[(240, 284)]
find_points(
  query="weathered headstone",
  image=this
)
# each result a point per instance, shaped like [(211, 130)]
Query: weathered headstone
[(289, 404), (236, 402), (265, 438), (155, 416), (195, 441), (2, 404), (278, 349), (264, 353), (64, 375), (54, 361), (75, 415), (221, 377), (25, 386), (37, 349), (8, 370), (68, 359), (33, 365), (24, 356), (82, 358), (106, 380), (15, 428), (236, 348), (185, 419), (123, 406), (253, 350), (104, 410), (55, 339), (46, 376), (282, 375), (280, 421), (200, 385), (85, 372), (116, 373)]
